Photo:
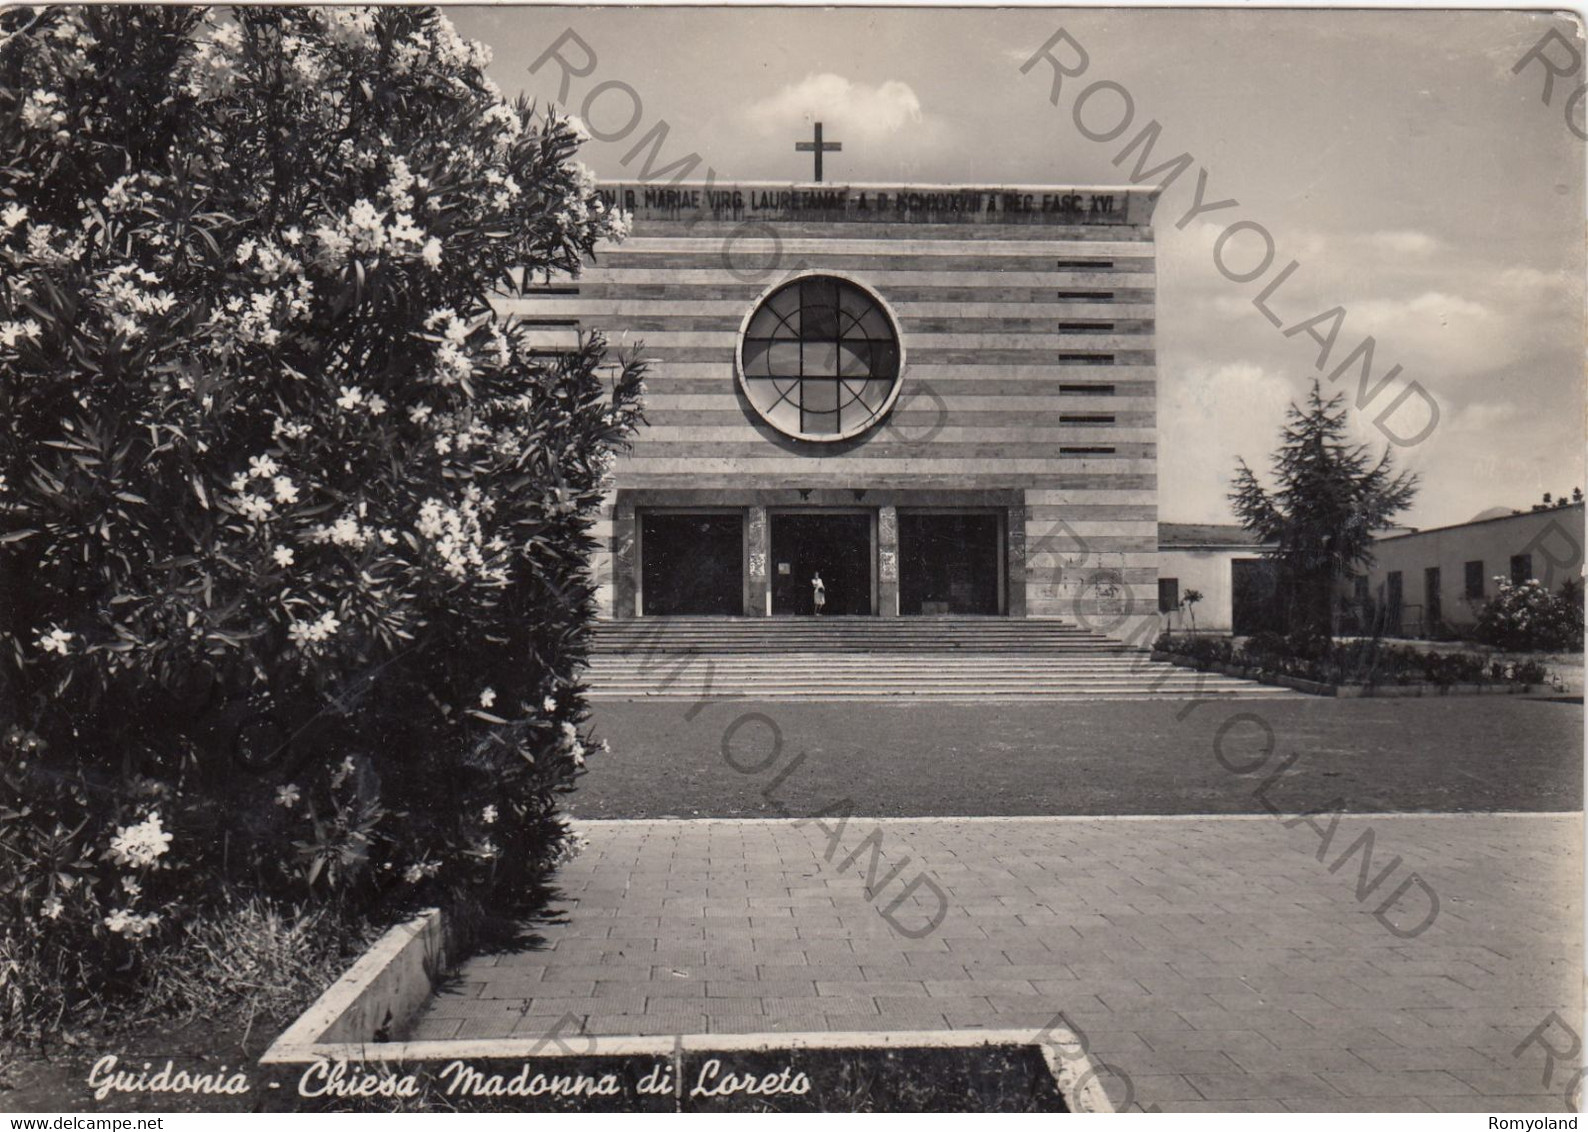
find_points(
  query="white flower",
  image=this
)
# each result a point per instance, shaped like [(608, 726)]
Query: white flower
[(12, 215), (283, 555), (458, 538), (293, 236), (139, 846), (488, 697), (488, 815), (287, 795), (262, 467), (318, 631), (419, 413), (56, 640), (10, 332), (351, 396), (286, 490), (487, 849), (255, 508), (577, 128), (131, 887), (52, 908), (570, 733), (376, 405), (548, 705), (131, 924), (415, 873), (431, 253), (42, 111)]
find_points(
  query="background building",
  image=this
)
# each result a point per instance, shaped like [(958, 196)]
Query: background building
[(1444, 575), (942, 399), (1224, 563)]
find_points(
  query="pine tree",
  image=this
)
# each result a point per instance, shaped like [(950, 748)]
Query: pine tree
[(1331, 496)]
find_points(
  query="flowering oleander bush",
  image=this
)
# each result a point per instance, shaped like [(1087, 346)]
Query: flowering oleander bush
[(293, 525), (1528, 617)]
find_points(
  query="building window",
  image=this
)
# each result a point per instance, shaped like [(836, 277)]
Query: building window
[(1086, 328), (820, 358), (1474, 572), (1521, 568), (1087, 359), (1084, 264), (1086, 390), (1085, 296), (1168, 595)]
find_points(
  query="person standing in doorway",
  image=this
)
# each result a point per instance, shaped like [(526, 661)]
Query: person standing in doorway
[(818, 592)]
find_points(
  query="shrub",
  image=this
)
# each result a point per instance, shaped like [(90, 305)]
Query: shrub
[(1363, 661), (293, 526), (1528, 617)]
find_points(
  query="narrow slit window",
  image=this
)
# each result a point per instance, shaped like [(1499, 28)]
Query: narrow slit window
[(1086, 390), (1086, 359), (1086, 450), (1086, 418), (1085, 264), (1086, 328), (1084, 296)]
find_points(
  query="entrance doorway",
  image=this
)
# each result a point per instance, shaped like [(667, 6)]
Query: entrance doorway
[(836, 544), (691, 563), (1254, 597), (950, 563)]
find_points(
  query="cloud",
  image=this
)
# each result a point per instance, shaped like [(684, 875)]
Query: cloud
[(1403, 243), (1207, 416), (865, 112), (1482, 416)]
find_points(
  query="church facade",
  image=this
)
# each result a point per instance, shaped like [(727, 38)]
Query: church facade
[(939, 400)]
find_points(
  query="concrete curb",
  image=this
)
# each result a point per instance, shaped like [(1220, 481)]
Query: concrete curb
[(390, 983), (380, 994)]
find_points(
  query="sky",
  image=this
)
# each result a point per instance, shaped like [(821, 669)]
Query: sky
[(1416, 181)]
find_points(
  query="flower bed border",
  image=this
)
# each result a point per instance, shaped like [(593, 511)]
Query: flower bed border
[(1344, 691), (386, 989)]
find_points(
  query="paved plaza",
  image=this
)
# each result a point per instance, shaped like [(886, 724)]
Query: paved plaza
[(1218, 963)]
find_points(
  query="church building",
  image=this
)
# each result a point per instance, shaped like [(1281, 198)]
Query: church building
[(941, 400)]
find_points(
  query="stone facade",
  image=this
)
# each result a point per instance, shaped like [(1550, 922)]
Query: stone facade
[(1028, 388)]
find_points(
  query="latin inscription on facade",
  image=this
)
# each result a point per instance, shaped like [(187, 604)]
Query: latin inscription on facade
[(919, 204)]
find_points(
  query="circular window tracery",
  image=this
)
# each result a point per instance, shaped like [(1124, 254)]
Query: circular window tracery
[(820, 358)]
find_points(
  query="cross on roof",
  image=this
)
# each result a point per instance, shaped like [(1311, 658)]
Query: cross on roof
[(818, 147)]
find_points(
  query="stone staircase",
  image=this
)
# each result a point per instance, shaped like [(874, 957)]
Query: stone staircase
[(867, 658)]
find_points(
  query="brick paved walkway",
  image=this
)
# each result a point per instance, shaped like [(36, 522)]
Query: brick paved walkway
[(1215, 961)]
